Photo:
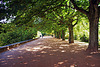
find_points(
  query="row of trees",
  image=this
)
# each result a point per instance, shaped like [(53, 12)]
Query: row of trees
[(55, 14)]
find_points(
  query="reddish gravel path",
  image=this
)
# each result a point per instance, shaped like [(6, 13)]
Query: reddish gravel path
[(50, 52)]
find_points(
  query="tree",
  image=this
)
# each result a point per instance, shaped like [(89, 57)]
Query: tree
[(72, 19), (41, 8), (2, 11), (67, 19), (93, 16)]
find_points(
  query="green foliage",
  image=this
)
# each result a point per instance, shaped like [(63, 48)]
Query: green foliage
[(99, 43), (75, 37), (81, 30), (84, 38), (83, 3), (20, 34), (47, 16)]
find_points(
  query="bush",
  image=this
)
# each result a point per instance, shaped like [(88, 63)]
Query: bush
[(20, 34), (75, 37), (84, 38), (99, 44), (67, 36)]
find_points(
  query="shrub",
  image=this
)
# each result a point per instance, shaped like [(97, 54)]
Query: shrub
[(75, 37), (84, 38), (67, 36), (20, 34)]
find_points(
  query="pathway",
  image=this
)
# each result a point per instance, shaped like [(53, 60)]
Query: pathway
[(50, 52)]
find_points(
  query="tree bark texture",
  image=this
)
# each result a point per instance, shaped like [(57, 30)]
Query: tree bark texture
[(93, 29), (59, 34), (71, 38), (55, 34), (93, 16), (63, 35)]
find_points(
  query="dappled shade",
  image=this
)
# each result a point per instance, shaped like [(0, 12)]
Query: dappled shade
[(50, 52)]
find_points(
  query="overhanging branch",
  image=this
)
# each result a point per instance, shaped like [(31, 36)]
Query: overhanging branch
[(79, 8)]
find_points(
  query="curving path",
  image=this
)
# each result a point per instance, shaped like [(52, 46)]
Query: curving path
[(50, 52)]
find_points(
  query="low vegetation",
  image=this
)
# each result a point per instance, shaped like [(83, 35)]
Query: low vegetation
[(16, 35)]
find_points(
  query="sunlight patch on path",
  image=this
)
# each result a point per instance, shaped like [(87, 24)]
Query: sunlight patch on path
[(29, 48), (60, 63), (47, 37), (81, 43), (73, 65), (64, 45), (38, 48), (98, 48), (63, 51)]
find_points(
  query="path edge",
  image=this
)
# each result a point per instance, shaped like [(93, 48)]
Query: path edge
[(10, 46)]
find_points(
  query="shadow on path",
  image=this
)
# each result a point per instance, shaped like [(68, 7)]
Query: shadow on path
[(50, 52)]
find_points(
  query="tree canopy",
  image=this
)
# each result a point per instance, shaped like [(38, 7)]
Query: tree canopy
[(54, 15)]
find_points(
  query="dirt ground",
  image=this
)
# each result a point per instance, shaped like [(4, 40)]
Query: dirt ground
[(50, 52)]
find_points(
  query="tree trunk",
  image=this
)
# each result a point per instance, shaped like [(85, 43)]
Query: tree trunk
[(55, 34), (93, 35), (93, 16), (71, 38), (59, 35), (93, 19), (63, 35)]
